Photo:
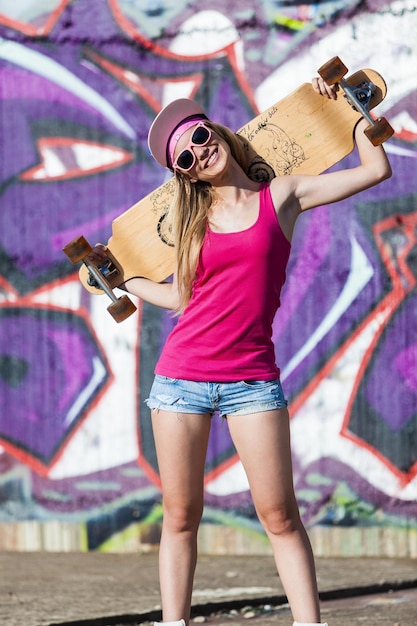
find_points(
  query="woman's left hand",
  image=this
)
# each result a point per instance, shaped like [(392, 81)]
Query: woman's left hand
[(322, 88)]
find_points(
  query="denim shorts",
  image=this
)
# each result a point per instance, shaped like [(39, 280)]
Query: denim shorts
[(239, 398)]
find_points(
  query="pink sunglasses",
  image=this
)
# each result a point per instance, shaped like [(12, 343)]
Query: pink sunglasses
[(186, 159)]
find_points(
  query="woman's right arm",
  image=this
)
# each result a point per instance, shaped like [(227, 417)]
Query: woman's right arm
[(164, 295)]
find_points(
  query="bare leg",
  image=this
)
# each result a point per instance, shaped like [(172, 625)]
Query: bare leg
[(181, 444), (263, 444)]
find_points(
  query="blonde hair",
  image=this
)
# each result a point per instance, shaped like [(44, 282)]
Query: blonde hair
[(189, 213)]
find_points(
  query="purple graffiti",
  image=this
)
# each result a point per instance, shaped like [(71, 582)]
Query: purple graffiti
[(79, 89), (51, 369)]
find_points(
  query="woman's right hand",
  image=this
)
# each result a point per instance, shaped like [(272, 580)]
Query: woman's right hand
[(98, 253)]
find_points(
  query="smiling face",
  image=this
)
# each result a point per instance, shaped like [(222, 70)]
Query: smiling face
[(200, 153)]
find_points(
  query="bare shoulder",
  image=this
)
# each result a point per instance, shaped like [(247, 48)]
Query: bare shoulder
[(282, 190), (287, 207)]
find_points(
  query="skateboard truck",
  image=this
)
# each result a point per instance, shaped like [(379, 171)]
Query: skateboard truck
[(359, 98), (99, 275), (107, 269), (363, 93)]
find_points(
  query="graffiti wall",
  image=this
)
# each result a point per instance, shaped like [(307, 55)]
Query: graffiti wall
[(81, 81)]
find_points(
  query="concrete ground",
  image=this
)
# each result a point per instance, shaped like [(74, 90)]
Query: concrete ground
[(45, 589)]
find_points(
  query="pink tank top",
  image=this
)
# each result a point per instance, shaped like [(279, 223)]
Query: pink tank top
[(225, 333)]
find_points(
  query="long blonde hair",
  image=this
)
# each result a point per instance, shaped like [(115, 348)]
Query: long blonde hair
[(189, 213)]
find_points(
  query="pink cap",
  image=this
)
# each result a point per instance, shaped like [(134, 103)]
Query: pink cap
[(180, 114)]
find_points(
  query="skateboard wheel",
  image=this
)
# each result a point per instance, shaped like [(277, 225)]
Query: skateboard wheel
[(77, 249), (379, 132), (332, 71), (121, 309)]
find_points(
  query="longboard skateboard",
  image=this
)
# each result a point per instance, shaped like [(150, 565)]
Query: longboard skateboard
[(304, 133)]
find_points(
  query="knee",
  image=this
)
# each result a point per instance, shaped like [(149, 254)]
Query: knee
[(180, 518), (281, 520)]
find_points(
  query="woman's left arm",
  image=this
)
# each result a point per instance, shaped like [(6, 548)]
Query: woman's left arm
[(374, 167), (293, 194)]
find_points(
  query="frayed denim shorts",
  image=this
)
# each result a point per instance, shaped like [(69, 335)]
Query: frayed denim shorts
[(239, 398)]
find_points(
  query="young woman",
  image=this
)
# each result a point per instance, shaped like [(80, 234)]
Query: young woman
[(232, 239)]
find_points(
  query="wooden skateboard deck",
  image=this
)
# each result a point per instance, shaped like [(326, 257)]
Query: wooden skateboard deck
[(304, 133)]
